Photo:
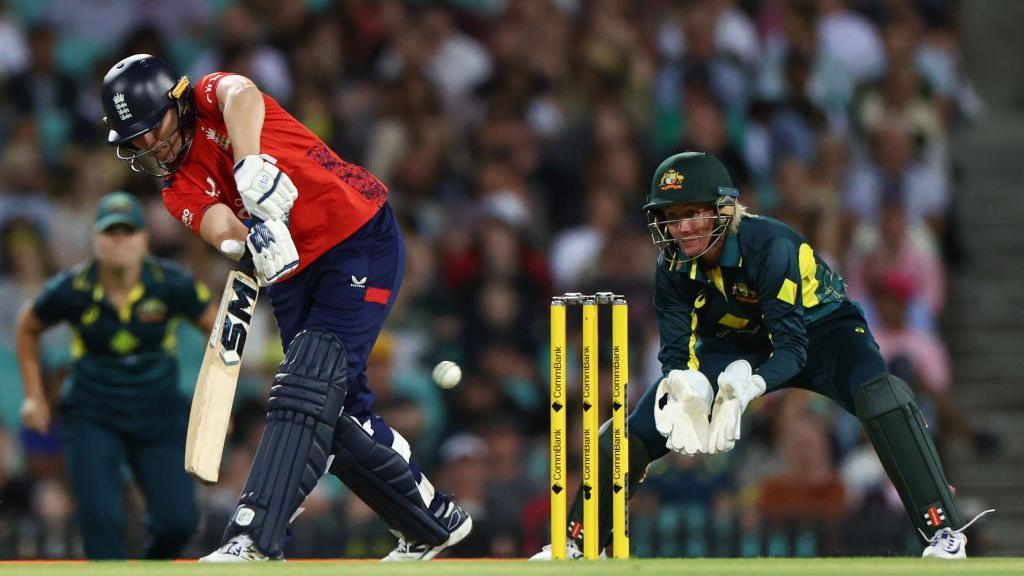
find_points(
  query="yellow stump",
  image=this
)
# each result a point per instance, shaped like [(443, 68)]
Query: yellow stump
[(620, 437), (558, 518), (591, 409)]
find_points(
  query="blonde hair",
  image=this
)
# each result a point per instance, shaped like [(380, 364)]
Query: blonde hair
[(739, 211)]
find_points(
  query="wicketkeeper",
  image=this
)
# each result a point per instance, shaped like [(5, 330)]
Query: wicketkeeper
[(242, 173), (745, 307)]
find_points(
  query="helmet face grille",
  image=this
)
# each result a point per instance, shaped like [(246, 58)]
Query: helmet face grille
[(148, 162), (657, 226)]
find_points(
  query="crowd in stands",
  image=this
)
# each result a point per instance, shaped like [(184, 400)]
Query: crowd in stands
[(517, 139)]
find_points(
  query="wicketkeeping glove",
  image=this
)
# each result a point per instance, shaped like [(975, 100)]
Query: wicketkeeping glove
[(681, 406), (273, 251), (266, 191), (737, 386)]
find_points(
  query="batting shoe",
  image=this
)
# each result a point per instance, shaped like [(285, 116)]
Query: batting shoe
[(949, 544), (460, 524), (238, 549)]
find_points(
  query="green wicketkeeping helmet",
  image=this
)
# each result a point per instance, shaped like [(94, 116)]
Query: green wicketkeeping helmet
[(689, 177), (684, 178)]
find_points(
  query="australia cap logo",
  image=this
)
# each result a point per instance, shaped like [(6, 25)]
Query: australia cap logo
[(671, 180)]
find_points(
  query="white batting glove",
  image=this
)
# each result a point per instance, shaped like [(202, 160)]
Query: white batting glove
[(737, 386), (681, 406), (273, 251), (266, 191)]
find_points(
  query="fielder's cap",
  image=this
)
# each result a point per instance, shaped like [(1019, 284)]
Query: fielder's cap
[(119, 208)]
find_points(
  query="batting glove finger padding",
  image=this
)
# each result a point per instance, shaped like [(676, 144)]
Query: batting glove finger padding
[(273, 251), (266, 191), (681, 410)]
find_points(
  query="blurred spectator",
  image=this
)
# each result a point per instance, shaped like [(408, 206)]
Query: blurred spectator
[(454, 62), (706, 131), (13, 48), (897, 174), (23, 176), (506, 496), (15, 489), (242, 49), (575, 252), (25, 264), (52, 505), (851, 39), (897, 246), (807, 491), (408, 400), (901, 102), (464, 472)]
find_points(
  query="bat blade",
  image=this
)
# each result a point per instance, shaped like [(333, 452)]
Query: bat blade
[(218, 377)]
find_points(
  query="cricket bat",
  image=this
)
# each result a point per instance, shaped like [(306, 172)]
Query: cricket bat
[(218, 376)]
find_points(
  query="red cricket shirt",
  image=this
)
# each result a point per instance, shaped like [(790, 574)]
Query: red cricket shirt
[(335, 197)]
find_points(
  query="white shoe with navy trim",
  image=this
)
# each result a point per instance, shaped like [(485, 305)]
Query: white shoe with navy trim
[(238, 549), (460, 524)]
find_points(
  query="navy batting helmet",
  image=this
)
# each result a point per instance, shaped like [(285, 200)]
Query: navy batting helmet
[(136, 94)]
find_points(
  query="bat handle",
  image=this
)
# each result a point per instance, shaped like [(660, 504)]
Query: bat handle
[(246, 265)]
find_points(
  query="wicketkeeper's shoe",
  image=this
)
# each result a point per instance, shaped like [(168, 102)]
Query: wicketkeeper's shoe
[(572, 552), (949, 544), (238, 549), (460, 524)]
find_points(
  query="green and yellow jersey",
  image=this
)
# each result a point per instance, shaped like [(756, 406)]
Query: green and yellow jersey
[(769, 285), (124, 354)]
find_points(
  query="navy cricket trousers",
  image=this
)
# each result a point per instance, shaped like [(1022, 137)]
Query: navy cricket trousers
[(349, 291)]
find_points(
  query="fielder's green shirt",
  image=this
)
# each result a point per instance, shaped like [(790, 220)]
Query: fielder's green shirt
[(121, 355), (769, 285)]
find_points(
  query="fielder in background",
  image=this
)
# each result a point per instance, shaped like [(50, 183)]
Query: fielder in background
[(746, 307), (121, 404), (242, 173)]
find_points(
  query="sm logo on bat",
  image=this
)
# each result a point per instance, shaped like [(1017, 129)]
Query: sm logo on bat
[(236, 321)]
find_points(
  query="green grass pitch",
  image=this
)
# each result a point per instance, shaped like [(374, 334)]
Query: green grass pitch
[(716, 567)]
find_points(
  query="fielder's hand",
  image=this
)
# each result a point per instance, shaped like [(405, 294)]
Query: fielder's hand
[(273, 251), (266, 191), (681, 406), (737, 386), (35, 413)]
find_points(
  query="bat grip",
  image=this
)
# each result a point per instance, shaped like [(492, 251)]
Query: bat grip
[(245, 264)]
